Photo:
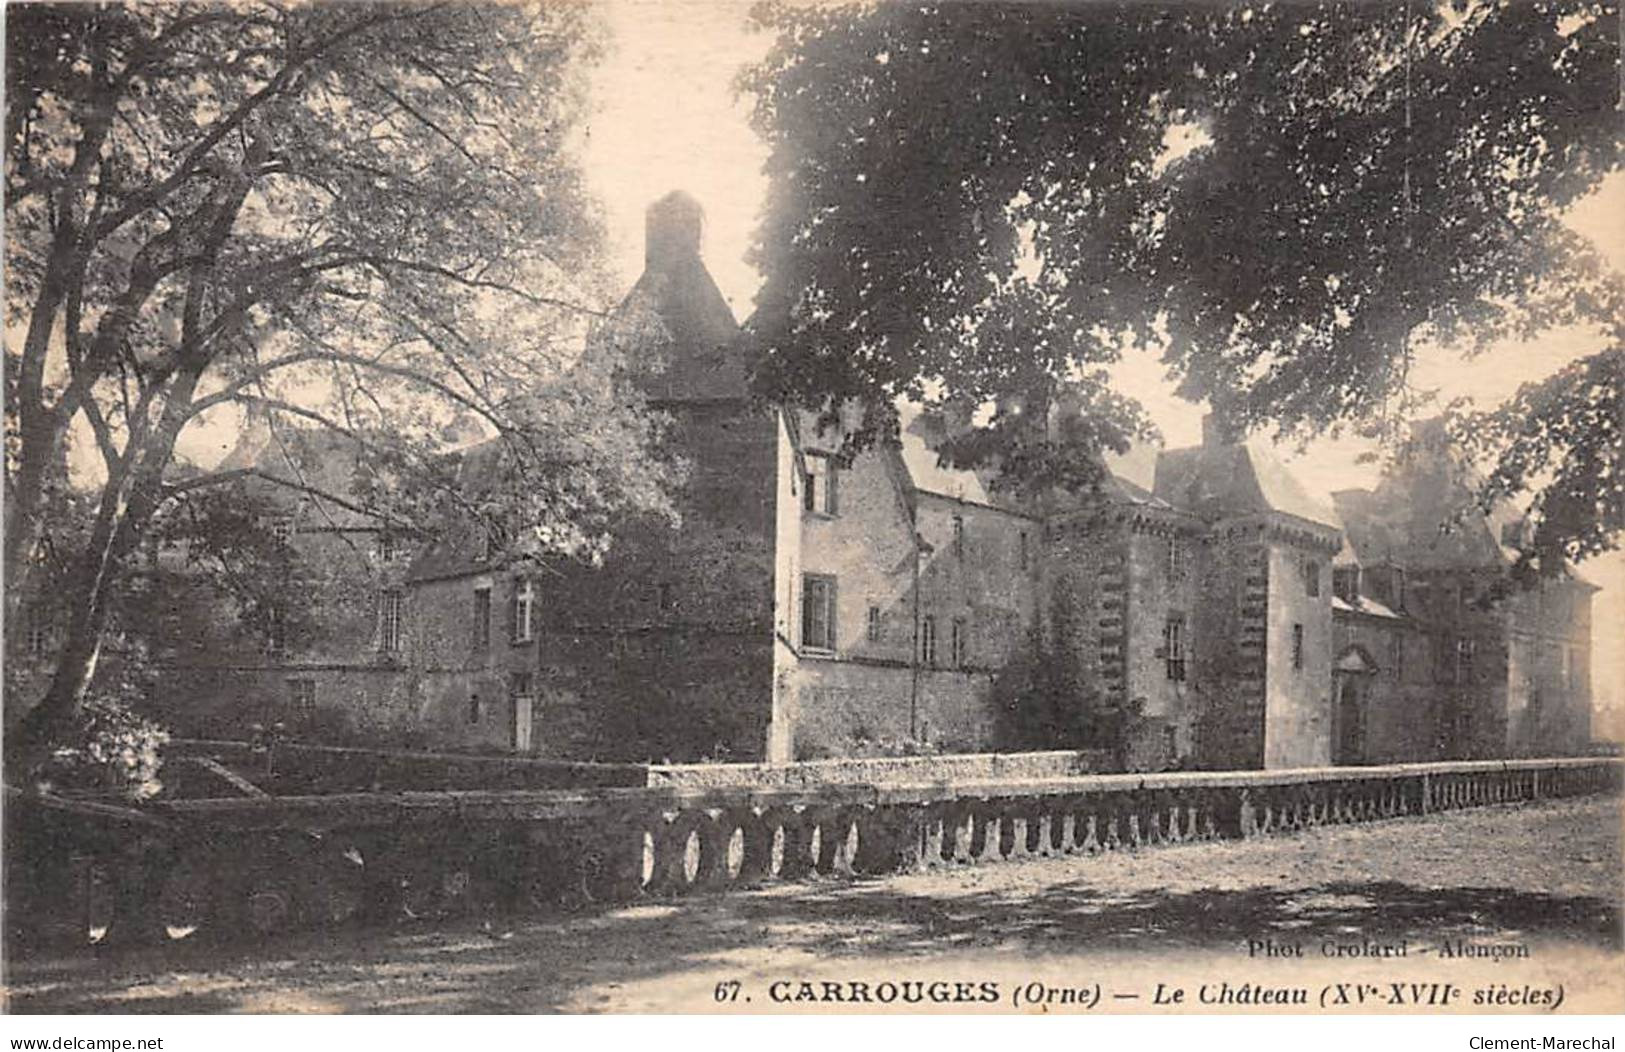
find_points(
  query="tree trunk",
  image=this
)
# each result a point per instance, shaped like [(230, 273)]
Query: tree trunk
[(129, 501), (52, 719)]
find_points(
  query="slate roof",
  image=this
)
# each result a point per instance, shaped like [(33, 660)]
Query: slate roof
[(452, 552), (1423, 513), (708, 356), (1235, 479), (920, 433), (322, 460)]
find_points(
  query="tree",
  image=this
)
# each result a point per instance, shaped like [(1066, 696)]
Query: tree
[(986, 203), (359, 218)]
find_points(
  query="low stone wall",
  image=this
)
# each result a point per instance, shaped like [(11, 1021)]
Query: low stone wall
[(259, 865), (296, 769), (899, 770)]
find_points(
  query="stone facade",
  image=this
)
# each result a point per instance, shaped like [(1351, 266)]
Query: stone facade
[(1438, 658), (812, 605), (332, 663)]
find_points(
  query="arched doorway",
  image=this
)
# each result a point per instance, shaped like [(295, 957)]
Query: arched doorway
[(1351, 678)]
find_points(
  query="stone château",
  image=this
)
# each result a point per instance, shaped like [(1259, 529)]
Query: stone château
[(808, 607)]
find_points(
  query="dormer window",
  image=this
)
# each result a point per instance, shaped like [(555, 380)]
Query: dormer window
[(1346, 583)]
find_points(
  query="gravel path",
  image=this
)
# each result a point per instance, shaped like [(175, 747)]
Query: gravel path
[(1546, 878)]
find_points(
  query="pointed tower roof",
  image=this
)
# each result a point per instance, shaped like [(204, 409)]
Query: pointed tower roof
[(705, 355), (1224, 476)]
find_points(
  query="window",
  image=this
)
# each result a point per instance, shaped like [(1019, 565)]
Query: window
[(821, 485), (387, 548), (389, 636), (520, 684), (276, 632), (1444, 664), (1297, 646), (1173, 648), (38, 637), (957, 642), (482, 619), (482, 550), (1311, 578), (301, 700), (1174, 558), (1465, 649), (818, 612), (521, 611), (1396, 655), (474, 712), (1346, 582), (1024, 549), (928, 641), (874, 631), (959, 537), (666, 597)]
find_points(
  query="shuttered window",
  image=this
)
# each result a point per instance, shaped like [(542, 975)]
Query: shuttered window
[(822, 485), (818, 612)]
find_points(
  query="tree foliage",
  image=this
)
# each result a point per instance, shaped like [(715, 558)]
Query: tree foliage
[(358, 218), (988, 202)]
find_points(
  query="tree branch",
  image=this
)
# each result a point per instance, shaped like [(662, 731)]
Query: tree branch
[(176, 489)]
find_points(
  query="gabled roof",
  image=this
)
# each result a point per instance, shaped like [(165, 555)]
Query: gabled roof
[(1424, 513), (919, 434), (453, 552)]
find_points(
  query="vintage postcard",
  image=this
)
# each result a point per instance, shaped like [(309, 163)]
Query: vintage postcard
[(1078, 508)]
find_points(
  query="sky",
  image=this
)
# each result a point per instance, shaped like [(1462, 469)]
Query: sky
[(666, 117)]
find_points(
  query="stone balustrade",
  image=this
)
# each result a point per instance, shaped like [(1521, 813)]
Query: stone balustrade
[(265, 864)]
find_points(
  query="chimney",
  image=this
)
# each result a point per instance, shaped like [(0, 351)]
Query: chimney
[(1216, 433), (672, 229)]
